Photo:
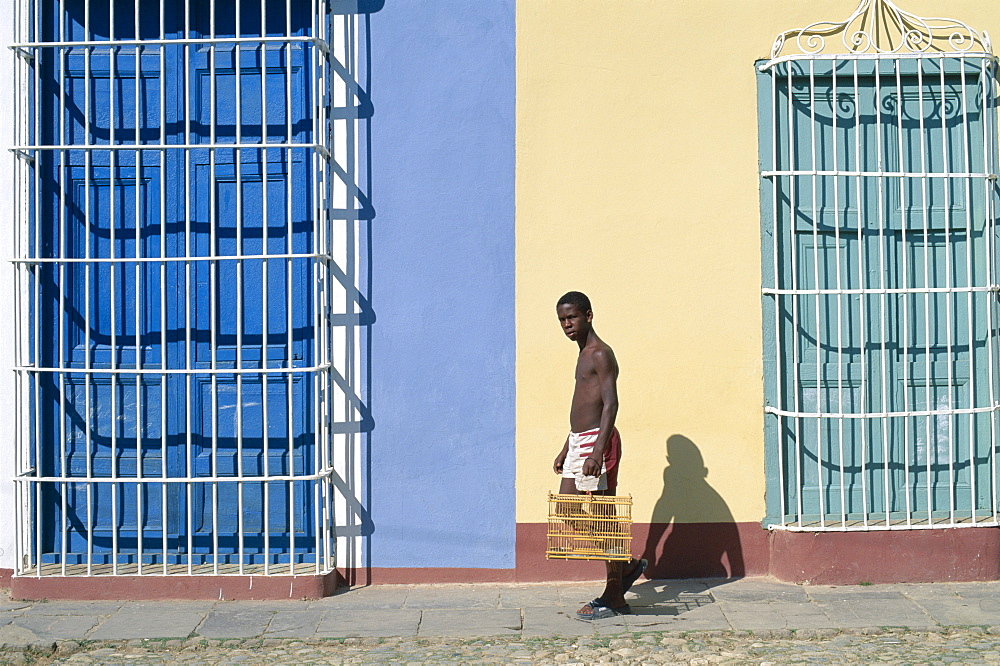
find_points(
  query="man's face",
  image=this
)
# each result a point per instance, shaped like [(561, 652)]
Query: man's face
[(575, 324)]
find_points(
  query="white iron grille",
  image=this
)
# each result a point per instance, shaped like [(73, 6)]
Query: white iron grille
[(879, 176), (135, 453)]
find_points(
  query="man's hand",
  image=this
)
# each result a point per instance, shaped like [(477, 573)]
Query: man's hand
[(591, 467), (557, 464)]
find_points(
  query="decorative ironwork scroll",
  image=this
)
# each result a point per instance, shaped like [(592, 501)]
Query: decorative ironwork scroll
[(879, 26)]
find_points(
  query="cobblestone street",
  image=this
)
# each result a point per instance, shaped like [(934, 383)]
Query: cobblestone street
[(745, 621), (965, 645)]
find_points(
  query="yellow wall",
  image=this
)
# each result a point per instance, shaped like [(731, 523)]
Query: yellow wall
[(637, 184)]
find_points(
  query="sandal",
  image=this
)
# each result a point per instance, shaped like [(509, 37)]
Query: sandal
[(602, 612)]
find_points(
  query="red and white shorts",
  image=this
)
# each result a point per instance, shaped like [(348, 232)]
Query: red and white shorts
[(581, 445)]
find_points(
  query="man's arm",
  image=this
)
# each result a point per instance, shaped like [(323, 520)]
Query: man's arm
[(557, 465), (604, 365)]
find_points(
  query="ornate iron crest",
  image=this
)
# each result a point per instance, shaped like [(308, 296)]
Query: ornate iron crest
[(880, 27)]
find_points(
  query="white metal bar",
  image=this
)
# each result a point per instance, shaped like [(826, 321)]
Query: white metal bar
[(324, 517), (840, 315), (989, 232), (186, 82), (137, 315), (324, 473), (290, 417), (859, 57), (305, 40), (872, 415), (886, 290), (213, 282), (862, 303), (904, 281), (21, 111), (823, 172), (930, 445), (322, 378), (213, 258), (238, 159), (61, 244), (164, 353), (50, 574), (969, 259), (883, 222), (88, 232), (173, 371), (122, 146), (22, 192), (112, 66), (317, 128), (776, 267), (265, 287), (881, 527), (59, 227), (946, 166), (820, 487), (37, 298), (792, 253)]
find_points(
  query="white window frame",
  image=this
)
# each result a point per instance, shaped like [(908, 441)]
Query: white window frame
[(335, 477)]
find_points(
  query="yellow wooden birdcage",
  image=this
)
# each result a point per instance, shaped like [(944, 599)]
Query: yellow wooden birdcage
[(589, 527)]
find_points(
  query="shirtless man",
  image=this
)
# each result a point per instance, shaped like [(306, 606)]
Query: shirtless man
[(589, 459)]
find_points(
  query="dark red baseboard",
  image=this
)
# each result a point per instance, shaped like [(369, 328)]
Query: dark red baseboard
[(5, 576), (174, 587), (733, 550), (423, 575), (891, 556), (695, 550), (684, 550)]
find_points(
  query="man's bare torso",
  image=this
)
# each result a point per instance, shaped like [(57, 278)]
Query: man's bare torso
[(585, 413)]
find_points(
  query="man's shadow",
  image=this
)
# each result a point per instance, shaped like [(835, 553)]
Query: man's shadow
[(693, 534)]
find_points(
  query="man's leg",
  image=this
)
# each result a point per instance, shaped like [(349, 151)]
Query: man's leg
[(574, 517), (617, 570), (613, 595), (568, 487)]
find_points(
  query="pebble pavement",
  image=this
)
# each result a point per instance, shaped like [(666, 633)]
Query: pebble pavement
[(960, 645), (746, 621)]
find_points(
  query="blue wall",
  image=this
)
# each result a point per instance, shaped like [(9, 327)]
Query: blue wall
[(442, 252)]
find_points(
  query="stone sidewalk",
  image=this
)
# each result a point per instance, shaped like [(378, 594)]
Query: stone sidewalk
[(759, 605)]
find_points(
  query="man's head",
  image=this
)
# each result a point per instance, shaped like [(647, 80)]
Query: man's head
[(575, 315)]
